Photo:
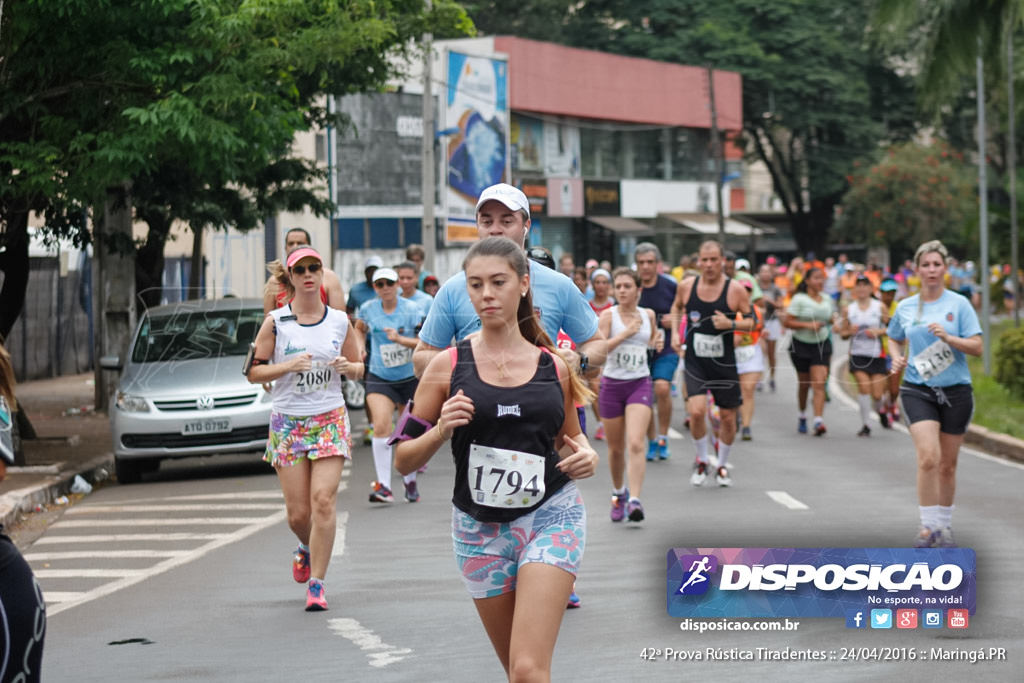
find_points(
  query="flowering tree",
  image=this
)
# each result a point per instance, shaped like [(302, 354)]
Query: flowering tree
[(912, 194)]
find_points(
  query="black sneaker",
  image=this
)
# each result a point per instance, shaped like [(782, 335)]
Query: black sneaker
[(883, 417), (864, 431)]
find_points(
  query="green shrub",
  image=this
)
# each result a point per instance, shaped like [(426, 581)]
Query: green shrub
[(1009, 357)]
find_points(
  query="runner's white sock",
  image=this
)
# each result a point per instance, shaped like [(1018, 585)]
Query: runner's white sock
[(304, 547), (818, 419), (929, 516), (409, 478), (802, 414), (945, 515), (619, 491), (702, 448), (864, 401), (723, 453), (382, 460)]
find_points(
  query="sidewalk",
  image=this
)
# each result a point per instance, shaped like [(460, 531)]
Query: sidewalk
[(73, 440)]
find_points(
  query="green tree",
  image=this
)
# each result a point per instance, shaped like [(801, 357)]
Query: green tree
[(911, 194), (195, 103)]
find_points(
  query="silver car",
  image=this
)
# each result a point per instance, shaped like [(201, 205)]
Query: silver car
[(182, 391)]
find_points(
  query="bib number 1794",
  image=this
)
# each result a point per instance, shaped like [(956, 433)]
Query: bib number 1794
[(503, 478)]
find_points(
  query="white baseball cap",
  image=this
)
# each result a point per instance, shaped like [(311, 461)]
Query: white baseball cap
[(742, 263), (385, 274), (512, 197), (373, 262)]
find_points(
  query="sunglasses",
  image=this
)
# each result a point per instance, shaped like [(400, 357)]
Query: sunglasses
[(301, 270), (381, 284)]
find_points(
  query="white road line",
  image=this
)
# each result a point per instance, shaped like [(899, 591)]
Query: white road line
[(378, 652), (125, 538), (88, 573), (339, 536), (204, 507), (61, 596), (171, 563), (183, 521), (255, 495), (100, 554), (786, 500)]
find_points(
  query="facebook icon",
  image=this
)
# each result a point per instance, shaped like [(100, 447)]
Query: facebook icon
[(856, 619)]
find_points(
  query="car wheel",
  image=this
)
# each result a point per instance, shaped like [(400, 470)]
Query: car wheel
[(355, 394)]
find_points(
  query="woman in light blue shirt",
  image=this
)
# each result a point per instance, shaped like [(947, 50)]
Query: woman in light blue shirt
[(929, 335)]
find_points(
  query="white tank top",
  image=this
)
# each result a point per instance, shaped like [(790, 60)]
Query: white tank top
[(317, 390), (860, 343), (628, 360)]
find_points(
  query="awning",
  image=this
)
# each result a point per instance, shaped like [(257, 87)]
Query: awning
[(620, 224), (707, 224)]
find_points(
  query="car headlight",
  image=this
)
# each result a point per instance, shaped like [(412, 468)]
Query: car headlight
[(131, 404)]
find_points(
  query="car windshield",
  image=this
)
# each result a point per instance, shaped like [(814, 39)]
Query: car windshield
[(190, 335)]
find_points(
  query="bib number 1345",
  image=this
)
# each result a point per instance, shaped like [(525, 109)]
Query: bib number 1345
[(505, 479)]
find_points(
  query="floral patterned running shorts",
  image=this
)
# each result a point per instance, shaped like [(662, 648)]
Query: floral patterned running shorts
[(316, 436), (490, 554)]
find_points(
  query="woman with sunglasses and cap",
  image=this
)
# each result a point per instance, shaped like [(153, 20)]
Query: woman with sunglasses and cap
[(22, 608), (864, 319), (930, 335), (304, 348), (389, 321)]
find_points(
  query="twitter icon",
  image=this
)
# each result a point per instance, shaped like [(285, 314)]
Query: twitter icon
[(881, 618)]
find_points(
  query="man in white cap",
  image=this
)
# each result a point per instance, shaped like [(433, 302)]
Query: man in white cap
[(363, 291), (504, 211)]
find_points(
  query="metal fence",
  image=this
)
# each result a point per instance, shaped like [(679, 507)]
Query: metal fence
[(54, 336)]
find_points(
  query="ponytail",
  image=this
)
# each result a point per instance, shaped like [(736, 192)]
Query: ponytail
[(529, 326), (279, 281)]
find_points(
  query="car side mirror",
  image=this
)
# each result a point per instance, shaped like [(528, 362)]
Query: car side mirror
[(110, 362)]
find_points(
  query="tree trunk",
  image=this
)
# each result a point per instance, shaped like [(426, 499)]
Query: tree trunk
[(149, 259), (195, 276), (15, 265)]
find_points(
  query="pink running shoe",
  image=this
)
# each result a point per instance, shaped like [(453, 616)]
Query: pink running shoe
[(316, 601), (300, 565)]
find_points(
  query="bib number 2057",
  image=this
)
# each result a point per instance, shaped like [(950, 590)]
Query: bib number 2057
[(505, 479)]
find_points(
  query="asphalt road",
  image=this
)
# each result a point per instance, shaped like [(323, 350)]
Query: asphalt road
[(187, 575)]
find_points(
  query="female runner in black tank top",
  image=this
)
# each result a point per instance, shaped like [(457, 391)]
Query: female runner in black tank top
[(507, 403)]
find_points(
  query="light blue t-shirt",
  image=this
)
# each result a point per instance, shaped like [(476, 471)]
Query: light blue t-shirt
[(360, 293), (390, 360), (956, 315), (558, 302), (421, 299)]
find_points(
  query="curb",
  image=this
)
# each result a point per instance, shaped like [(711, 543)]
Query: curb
[(982, 438), (52, 487)]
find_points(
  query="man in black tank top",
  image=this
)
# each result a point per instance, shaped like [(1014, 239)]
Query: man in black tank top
[(710, 302)]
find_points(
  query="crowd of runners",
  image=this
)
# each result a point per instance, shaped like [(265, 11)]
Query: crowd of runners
[(501, 364)]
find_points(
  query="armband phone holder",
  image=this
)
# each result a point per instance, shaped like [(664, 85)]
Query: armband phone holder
[(247, 365), (409, 426)]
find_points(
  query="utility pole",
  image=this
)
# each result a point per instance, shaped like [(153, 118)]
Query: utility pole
[(1011, 159), (719, 157), (429, 165), (986, 295)]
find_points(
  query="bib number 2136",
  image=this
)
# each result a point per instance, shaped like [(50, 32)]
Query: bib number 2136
[(502, 478)]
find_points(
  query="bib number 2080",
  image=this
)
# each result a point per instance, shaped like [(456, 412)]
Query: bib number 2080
[(505, 479)]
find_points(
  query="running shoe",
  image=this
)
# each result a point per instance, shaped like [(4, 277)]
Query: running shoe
[(722, 477), (599, 434), (316, 601), (381, 493), (619, 501), (760, 387), (700, 473), (574, 600), (652, 450), (771, 385), (745, 434), (883, 417), (300, 565), (663, 452), (926, 538), (819, 429), (801, 425), (894, 411), (368, 436), (412, 493), (944, 538), (864, 431), (635, 510)]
